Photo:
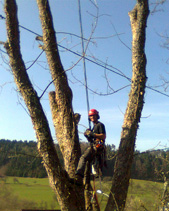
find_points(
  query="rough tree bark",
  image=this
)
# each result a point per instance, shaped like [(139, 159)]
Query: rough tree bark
[(70, 197), (121, 177), (61, 99)]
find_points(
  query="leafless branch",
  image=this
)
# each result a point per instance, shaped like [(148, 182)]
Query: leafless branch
[(107, 81), (20, 103), (118, 35), (99, 93), (156, 6)]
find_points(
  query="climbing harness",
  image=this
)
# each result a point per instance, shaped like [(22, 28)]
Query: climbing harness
[(100, 145)]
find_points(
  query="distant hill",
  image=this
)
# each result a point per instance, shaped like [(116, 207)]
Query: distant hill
[(20, 158)]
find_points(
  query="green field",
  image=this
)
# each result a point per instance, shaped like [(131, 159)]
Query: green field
[(142, 196), (29, 193)]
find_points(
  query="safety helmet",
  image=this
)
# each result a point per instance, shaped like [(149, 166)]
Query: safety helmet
[(94, 112)]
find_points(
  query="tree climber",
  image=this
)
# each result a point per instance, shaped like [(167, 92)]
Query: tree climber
[(96, 150)]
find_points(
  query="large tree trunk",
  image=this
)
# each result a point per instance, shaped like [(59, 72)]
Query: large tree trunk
[(70, 197), (61, 100), (121, 177)]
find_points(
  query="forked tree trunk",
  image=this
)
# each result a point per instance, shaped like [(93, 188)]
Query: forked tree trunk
[(61, 101), (70, 197), (121, 177)]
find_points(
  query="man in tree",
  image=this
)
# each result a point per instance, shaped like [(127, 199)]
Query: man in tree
[(96, 137)]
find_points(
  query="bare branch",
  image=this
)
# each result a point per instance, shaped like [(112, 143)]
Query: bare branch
[(156, 5), (120, 38), (99, 93)]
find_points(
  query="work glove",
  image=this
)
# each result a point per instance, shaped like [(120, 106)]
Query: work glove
[(89, 134)]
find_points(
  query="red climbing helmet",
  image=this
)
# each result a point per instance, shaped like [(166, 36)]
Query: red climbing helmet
[(93, 112)]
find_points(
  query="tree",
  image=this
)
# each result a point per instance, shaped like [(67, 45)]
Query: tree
[(138, 18), (71, 197)]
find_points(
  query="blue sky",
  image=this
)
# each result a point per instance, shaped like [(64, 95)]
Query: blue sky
[(105, 48)]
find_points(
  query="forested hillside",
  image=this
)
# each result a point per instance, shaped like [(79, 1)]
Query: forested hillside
[(150, 165), (20, 158)]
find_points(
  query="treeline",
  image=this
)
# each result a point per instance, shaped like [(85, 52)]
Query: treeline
[(150, 165), (21, 159), (18, 158)]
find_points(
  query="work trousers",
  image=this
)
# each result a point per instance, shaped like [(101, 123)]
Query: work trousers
[(88, 155)]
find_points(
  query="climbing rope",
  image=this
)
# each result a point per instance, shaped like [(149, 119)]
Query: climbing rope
[(84, 63), (94, 192), (87, 95)]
